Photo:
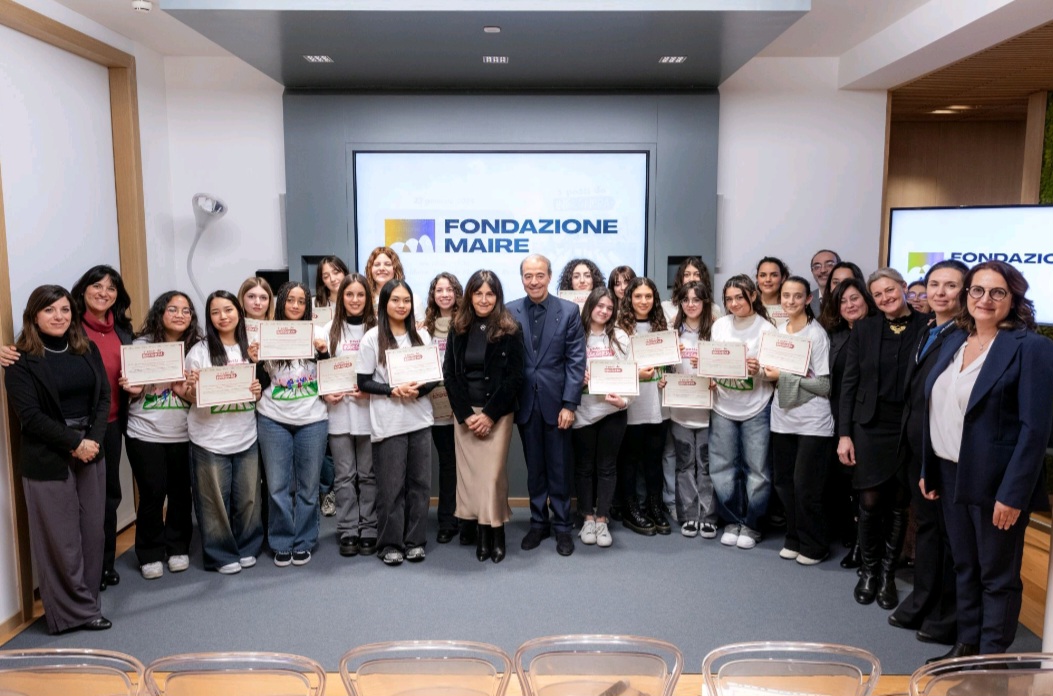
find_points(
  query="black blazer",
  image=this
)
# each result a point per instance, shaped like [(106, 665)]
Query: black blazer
[(502, 371), (838, 342), (46, 439), (915, 408), (859, 386)]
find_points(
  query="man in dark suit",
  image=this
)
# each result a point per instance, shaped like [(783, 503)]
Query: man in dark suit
[(553, 377)]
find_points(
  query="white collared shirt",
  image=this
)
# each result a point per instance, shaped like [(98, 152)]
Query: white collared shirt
[(950, 399)]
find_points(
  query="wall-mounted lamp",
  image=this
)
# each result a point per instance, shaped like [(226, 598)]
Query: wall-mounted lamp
[(207, 209)]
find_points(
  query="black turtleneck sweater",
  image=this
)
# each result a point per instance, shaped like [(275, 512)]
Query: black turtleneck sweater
[(73, 377)]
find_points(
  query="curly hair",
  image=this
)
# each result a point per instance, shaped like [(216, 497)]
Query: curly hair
[(1021, 310), (627, 315), (396, 266), (433, 311), (121, 305), (566, 278), (153, 326)]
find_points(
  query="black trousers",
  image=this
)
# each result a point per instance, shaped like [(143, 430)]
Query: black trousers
[(641, 454), (162, 471), (596, 462), (111, 447), (550, 474), (442, 436), (800, 467)]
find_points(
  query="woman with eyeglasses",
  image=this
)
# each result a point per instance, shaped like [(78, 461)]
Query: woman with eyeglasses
[(918, 298), (996, 374)]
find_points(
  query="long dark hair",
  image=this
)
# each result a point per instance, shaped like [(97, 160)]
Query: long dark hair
[(321, 291), (121, 305), (385, 338), (625, 272), (626, 314), (29, 340), (608, 329), (831, 318), (216, 350), (744, 283), (369, 315), (1021, 310), (505, 324), (807, 292), (705, 319), (432, 311), (857, 273), (703, 272), (283, 295), (566, 278), (153, 326)]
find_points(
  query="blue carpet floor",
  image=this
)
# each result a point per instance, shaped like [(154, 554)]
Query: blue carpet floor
[(694, 593)]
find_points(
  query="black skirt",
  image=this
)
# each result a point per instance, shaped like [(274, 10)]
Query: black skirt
[(876, 446)]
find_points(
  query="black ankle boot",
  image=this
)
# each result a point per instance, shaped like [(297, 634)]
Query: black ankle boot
[(484, 543), (497, 553), (657, 512), (634, 519), (959, 650), (468, 532), (887, 596), (870, 547)]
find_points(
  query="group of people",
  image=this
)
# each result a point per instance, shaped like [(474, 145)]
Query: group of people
[(944, 408)]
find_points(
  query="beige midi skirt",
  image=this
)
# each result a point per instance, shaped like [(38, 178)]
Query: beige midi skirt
[(482, 472)]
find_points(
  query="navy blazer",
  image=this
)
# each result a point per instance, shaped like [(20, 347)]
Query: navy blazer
[(553, 376), (1007, 424)]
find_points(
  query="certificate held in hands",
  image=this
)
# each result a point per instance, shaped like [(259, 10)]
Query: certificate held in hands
[(722, 360), (785, 353), (687, 391), (286, 340), (613, 377), (337, 375), (152, 363), (418, 364), (231, 384), (656, 349)]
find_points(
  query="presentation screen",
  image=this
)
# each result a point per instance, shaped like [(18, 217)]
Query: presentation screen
[(463, 211), (1019, 235)]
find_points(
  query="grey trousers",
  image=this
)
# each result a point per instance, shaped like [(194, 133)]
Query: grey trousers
[(694, 489), (66, 538), (355, 485), (403, 467)]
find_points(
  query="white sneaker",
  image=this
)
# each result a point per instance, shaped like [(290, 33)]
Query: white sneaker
[(788, 554), (603, 535), (730, 537), (230, 569), (177, 564), (708, 530), (247, 562), (690, 529), (806, 561), (152, 571), (588, 532), (747, 538)]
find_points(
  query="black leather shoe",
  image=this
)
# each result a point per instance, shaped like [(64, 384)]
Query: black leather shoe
[(367, 547), (564, 543), (959, 650), (497, 552), (99, 624), (485, 542), (349, 545), (469, 528), (908, 625), (929, 638), (866, 588), (634, 519), (445, 536), (534, 538), (657, 512), (110, 577)]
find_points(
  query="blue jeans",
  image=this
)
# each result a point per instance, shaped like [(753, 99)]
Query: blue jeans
[(227, 503), (738, 466), (292, 460)]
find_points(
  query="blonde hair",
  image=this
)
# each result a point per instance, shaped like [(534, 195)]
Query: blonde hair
[(257, 282)]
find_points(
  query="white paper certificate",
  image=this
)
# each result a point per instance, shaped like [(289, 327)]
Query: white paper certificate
[(231, 384), (785, 353), (286, 340), (656, 349), (322, 315), (726, 360), (337, 375), (613, 377), (578, 297), (152, 363), (440, 403), (414, 364), (252, 330), (687, 391)]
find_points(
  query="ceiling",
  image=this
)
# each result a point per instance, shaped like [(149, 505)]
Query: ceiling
[(833, 27), (993, 85)]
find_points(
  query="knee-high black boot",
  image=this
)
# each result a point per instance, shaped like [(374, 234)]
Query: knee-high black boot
[(887, 597), (497, 553), (871, 546), (484, 545)]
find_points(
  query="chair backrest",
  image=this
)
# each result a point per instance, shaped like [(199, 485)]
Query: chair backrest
[(598, 665), (69, 673), (426, 667), (773, 668), (1023, 674), (235, 673)]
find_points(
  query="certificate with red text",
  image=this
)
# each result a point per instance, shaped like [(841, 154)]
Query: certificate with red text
[(613, 377), (152, 363), (286, 340), (687, 391), (337, 375), (322, 315), (418, 364), (722, 360), (231, 384), (656, 349), (785, 353), (252, 330), (440, 403), (578, 297)]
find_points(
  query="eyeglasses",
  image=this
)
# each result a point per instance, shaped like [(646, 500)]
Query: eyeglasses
[(185, 311), (977, 292), (826, 264), (917, 296)]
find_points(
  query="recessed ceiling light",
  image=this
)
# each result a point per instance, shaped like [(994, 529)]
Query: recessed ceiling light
[(672, 59), (318, 59), (942, 111), (495, 59), (491, 30)]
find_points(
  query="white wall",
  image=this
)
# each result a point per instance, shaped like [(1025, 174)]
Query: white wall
[(800, 166)]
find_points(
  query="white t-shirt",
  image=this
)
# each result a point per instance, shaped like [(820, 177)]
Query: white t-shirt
[(351, 415), (647, 407), (227, 429), (595, 407), (693, 418), (814, 416), (442, 331), (158, 414), (742, 399), (390, 416), (292, 397)]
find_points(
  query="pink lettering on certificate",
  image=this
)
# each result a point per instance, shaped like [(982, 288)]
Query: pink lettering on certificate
[(784, 344), (654, 341), (598, 353), (156, 353), (287, 331)]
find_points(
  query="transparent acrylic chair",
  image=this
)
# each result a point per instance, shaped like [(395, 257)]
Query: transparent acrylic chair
[(802, 669), (235, 674), (426, 668), (598, 665), (1023, 674), (69, 673)]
